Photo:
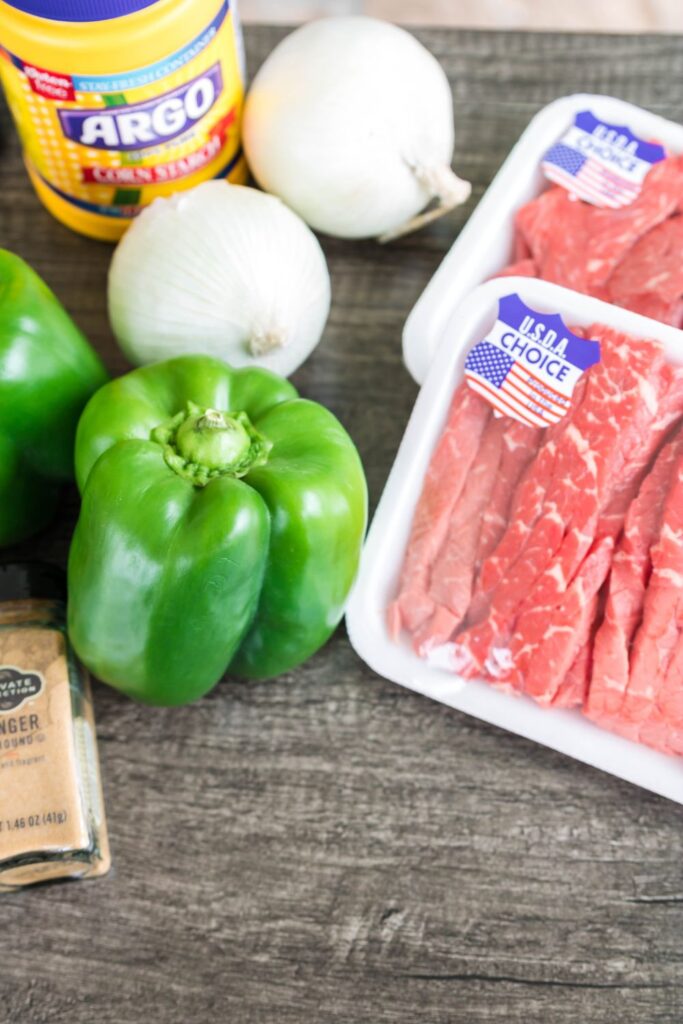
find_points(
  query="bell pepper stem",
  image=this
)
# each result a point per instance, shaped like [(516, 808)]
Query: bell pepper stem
[(200, 444)]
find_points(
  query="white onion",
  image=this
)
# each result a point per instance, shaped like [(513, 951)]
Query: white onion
[(223, 270), (350, 121)]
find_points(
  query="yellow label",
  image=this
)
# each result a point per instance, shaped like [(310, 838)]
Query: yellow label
[(109, 144)]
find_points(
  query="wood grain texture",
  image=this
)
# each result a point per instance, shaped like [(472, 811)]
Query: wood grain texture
[(330, 848)]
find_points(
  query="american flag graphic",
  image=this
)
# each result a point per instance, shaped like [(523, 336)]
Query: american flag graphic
[(511, 388), (588, 178)]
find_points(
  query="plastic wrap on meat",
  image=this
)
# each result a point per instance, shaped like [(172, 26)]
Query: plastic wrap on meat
[(568, 485)]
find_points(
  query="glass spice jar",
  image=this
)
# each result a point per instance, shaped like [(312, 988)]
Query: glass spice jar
[(52, 821)]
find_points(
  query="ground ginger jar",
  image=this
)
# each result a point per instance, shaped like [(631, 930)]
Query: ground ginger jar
[(120, 101), (52, 823)]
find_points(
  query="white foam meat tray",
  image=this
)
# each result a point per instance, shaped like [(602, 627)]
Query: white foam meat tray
[(484, 246), (565, 731)]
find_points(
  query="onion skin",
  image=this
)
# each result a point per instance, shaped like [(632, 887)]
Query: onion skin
[(350, 122), (219, 270)]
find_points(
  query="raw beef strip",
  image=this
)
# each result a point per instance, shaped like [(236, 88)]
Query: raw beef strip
[(525, 505), (587, 452), (656, 308), (651, 710), (650, 278), (444, 480), (658, 730), (555, 228), (659, 632), (662, 725), (451, 583), (520, 444), (614, 232), (670, 697), (573, 689), (560, 639), (661, 734), (526, 508), (670, 410), (628, 581), (663, 728)]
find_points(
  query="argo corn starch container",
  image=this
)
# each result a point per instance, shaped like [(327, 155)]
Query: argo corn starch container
[(120, 101)]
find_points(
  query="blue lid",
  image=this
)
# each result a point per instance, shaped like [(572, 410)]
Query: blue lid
[(80, 10)]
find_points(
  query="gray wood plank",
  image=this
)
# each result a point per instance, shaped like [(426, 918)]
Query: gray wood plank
[(329, 847)]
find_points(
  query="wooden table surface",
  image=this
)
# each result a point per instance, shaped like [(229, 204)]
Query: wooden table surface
[(330, 847)]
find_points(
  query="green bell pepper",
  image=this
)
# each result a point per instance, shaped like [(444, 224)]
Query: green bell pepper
[(220, 528), (47, 373)]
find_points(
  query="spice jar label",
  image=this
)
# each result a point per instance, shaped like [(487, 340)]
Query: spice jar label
[(52, 821), (42, 806), (17, 686)]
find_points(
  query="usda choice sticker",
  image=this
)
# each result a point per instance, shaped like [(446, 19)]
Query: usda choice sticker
[(603, 163), (529, 363)]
